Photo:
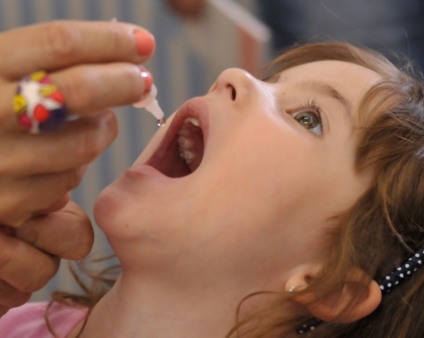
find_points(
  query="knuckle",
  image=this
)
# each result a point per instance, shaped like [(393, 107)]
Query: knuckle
[(29, 234), (77, 91), (43, 274), (77, 235), (112, 128), (115, 38), (11, 297), (133, 80), (11, 163), (62, 39), (46, 266), (74, 178), (90, 150), (97, 137), (15, 220), (7, 252), (81, 247)]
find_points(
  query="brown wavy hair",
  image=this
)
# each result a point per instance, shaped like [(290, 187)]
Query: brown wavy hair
[(386, 224)]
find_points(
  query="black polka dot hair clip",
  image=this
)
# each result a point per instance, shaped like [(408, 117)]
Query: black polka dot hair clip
[(403, 272), (309, 326), (387, 284)]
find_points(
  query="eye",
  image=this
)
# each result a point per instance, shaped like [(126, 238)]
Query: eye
[(309, 118)]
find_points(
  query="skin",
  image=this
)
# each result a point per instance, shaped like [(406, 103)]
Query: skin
[(247, 219), (190, 9), (95, 66)]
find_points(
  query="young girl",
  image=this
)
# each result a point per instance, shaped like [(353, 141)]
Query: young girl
[(268, 209)]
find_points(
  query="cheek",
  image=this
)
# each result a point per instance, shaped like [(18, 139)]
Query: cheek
[(255, 181), (277, 182), (334, 188)]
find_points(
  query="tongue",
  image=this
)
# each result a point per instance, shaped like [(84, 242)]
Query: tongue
[(170, 163)]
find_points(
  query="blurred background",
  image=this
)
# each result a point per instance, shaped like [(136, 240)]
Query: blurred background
[(197, 39)]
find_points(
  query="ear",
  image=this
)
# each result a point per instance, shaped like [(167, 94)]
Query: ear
[(359, 297)]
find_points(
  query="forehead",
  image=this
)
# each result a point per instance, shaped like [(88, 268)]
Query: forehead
[(349, 79)]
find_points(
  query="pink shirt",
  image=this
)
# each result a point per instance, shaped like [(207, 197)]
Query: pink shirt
[(28, 320)]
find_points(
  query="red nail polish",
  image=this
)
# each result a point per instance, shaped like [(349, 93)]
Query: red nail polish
[(147, 78), (144, 42)]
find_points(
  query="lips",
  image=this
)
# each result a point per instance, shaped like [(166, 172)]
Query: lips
[(181, 150)]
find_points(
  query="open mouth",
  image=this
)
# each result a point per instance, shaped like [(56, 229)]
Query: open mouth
[(181, 150)]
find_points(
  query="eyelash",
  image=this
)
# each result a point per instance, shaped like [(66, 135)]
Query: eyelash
[(310, 106)]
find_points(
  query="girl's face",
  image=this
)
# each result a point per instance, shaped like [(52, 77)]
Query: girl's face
[(272, 164)]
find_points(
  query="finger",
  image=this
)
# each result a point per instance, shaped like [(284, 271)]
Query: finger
[(76, 144), (87, 89), (58, 204), (66, 233), (29, 196), (60, 44), (24, 267), (96, 87), (11, 297)]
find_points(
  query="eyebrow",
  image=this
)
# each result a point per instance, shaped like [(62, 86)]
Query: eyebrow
[(327, 90)]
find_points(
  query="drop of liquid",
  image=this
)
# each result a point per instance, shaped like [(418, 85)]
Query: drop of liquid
[(161, 122)]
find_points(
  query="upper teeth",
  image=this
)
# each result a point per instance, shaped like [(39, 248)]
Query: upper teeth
[(188, 141), (194, 121)]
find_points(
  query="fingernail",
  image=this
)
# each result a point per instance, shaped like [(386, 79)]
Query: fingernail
[(144, 42), (148, 80)]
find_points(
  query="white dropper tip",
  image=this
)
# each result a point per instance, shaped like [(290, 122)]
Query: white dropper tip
[(152, 106)]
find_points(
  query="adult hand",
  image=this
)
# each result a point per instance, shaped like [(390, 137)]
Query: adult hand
[(95, 66), (30, 256)]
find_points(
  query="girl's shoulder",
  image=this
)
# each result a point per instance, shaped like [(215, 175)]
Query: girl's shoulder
[(29, 320)]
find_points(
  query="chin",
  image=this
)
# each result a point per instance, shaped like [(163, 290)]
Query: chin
[(108, 211), (123, 215)]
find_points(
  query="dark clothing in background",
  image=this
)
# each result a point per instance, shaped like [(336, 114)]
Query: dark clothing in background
[(392, 27)]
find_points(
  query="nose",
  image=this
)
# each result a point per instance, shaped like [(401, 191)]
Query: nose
[(234, 84)]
